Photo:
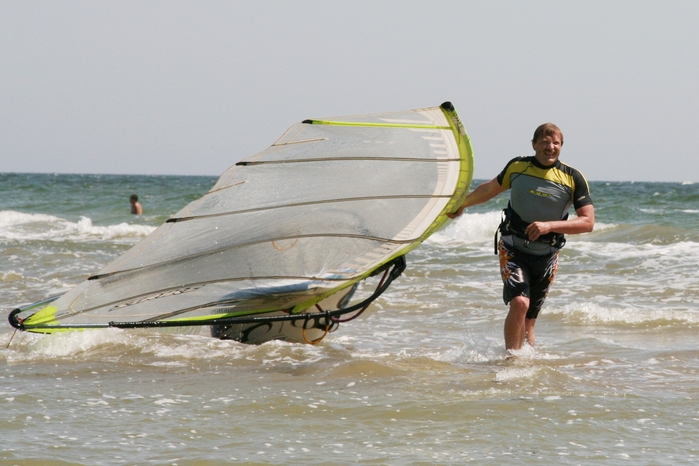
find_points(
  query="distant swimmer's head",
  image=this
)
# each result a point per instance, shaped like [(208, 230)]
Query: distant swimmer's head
[(136, 208), (547, 143)]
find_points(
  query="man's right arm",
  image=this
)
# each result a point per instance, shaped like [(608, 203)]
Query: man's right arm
[(481, 194)]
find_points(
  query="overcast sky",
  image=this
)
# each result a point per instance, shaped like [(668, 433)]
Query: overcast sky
[(172, 87)]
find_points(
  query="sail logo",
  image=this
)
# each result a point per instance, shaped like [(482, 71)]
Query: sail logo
[(155, 296)]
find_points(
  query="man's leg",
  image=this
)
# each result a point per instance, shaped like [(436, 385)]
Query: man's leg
[(515, 323), (529, 331), (546, 270)]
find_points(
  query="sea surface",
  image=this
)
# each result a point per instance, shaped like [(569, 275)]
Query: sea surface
[(420, 379)]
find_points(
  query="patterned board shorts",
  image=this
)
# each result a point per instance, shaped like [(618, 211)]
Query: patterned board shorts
[(526, 275)]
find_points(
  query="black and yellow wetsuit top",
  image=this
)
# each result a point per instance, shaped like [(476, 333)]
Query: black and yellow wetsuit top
[(541, 194)]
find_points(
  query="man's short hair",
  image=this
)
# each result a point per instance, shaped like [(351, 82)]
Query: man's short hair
[(547, 129), (134, 197)]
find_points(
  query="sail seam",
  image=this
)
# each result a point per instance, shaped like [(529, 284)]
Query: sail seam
[(380, 125), (333, 159), (252, 243), (299, 204)]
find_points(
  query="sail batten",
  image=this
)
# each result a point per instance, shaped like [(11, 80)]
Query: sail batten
[(349, 159), (299, 204)]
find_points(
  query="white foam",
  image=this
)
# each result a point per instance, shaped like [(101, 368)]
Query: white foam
[(85, 228), (682, 252), (105, 343), (193, 347), (469, 228), (593, 313), (517, 373), (478, 228), (71, 343), (599, 226), (23, 226), (10, 218), (10, 276), (474, 349), (482, 349)]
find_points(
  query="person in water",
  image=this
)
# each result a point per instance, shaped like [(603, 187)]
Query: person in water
[(542, 189), (136, 208)]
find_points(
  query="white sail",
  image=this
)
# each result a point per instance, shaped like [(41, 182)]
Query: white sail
[(328, 204)]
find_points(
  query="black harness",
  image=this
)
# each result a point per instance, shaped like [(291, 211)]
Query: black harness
[(512, 224)]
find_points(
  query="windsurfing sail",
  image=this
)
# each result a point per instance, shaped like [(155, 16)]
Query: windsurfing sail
[(329, 204)]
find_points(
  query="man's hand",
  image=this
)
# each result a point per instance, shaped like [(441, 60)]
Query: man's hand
[(536, 229), (484, 192), (584, 223), (456, 214)]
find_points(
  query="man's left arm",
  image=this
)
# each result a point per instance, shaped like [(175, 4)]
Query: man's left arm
[(583, 224)]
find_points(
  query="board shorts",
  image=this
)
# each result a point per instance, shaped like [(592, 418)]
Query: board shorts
[(526, 275)]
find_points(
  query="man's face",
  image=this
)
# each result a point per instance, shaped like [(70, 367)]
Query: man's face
[(547, 149)]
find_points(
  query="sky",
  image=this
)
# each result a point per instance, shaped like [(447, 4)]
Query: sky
[(190, 88)]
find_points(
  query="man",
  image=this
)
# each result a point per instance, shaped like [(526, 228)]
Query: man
[(136, 208), (542, 189)]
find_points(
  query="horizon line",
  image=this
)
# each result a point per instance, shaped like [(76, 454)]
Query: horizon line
[(217, 176)]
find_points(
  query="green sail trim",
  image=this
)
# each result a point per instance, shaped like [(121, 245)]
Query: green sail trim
[(464, 183)]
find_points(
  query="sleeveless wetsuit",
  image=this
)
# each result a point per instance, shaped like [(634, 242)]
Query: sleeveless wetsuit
[(537, 193)]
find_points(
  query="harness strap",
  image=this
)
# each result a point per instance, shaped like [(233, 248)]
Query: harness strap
[(512, 224)]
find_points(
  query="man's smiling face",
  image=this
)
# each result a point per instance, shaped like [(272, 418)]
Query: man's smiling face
[(547, 149)]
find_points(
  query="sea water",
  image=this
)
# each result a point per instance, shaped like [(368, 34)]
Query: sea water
[(421, 379)]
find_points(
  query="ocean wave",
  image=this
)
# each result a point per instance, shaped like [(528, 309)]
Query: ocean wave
[(477, 229), (595, 314), (10, 218), (480, 227), (643, 234), (469, 228), (683, 252), (103, 344), (10, 276), (154, 348), (21, 226)]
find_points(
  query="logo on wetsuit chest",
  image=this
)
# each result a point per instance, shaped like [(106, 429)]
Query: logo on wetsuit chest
[(539, 193)]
